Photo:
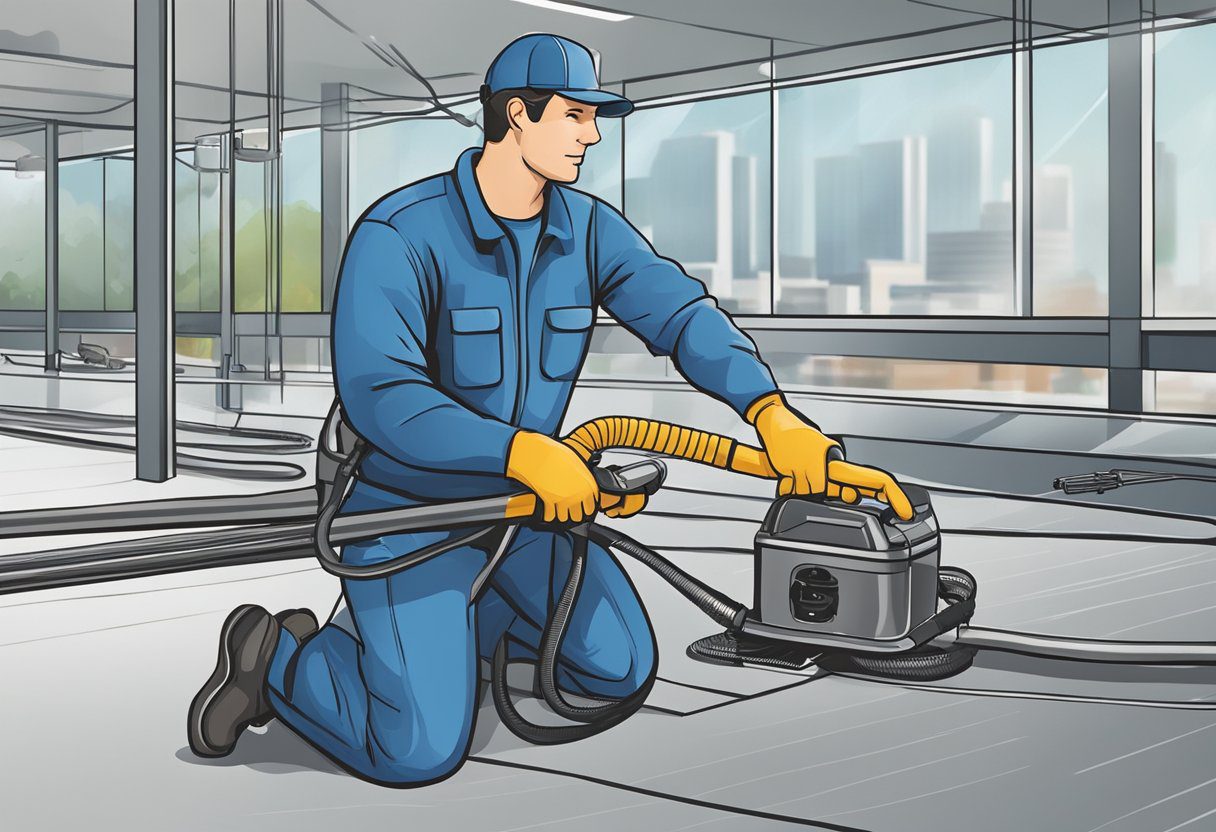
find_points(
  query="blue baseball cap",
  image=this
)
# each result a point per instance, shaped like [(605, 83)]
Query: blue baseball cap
[(549, 62)]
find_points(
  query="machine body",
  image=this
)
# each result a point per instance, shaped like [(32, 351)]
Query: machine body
[(829, 570)]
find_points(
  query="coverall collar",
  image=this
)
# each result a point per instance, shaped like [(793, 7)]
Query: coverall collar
[(556, 215)]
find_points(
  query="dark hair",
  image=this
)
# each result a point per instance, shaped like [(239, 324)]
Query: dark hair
[(494, 108)]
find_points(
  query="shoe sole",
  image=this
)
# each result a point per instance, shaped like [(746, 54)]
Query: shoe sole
[(242, 625)]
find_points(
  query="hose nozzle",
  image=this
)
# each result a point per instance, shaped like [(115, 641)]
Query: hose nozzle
[(1099, 481)]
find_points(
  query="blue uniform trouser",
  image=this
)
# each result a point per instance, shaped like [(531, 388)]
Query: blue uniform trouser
[(395, 700)]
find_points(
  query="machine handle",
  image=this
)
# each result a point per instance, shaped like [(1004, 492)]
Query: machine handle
[(644, 477)]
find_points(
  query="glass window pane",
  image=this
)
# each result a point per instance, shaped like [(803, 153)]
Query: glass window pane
[(208, 219), (120, 235), (894, 193), (1185, 393), (249, 282), (946, 380), (1070, 180), (633, 366), (81, 260), (601, 170), (22, 256), (697, 185), (1185, 172), (302, 221), (187, 290), (387, 156)]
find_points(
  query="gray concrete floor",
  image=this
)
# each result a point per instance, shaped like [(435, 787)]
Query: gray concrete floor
[(97, 678)]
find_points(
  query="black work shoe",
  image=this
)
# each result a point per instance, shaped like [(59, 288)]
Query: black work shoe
[(300, 623), (235, 695)]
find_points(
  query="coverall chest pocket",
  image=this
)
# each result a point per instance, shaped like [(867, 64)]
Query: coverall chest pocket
[(564, 341), (476, 346)]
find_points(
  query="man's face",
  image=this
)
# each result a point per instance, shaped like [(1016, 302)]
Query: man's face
[(554, 146)]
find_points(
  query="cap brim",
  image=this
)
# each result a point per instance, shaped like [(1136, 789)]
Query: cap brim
[(608, 104)]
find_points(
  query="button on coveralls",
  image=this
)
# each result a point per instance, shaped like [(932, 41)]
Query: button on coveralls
[(442, 350)]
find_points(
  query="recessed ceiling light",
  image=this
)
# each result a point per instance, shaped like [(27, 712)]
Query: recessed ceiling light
[(573, 9)]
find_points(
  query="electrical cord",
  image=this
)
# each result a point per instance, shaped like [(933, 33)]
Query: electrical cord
[(1103, 481), (65, 427)]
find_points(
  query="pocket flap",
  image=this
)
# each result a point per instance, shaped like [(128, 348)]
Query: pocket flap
[(569, 318), (476, 319)]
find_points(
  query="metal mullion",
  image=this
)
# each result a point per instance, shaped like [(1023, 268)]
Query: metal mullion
[(1023, 160), (51, 247), (772, 179)]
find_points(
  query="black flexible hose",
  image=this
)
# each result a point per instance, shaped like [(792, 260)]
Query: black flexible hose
[(332, 563), (592, 719), (717, 606), (550, 647), (530, 731), (596, 718)]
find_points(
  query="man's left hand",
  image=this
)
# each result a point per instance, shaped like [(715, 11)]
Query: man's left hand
[(798, 452)]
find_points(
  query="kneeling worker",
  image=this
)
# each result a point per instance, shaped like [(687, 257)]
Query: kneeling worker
[(463, 313)]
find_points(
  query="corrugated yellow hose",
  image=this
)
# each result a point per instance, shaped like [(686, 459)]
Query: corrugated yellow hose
[(670, 440), (682, 442)]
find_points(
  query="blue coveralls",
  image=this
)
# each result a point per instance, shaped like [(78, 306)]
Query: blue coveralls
[(442, 350)]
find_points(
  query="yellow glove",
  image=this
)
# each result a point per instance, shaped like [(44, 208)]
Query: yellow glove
[(556, 474), (799, 453), (616, 506)]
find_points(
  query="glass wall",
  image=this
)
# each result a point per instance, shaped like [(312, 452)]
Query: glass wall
[(1185, 393), (894, 193), (961, 381), (301, 241), (947, 380), (302, 221), (22, 255), (386, 156), (81, 235), (601, 170), (189, 281), (250, 289), (119, 226), (1185, 173), (96, 235), (697, 185), (1070, 241)]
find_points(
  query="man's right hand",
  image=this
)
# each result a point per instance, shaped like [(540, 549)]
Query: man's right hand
[(557, 475)]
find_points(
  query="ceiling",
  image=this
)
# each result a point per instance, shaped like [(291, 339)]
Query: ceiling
[(72, 59)]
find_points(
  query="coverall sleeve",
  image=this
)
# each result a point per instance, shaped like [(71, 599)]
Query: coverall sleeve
[(380, 363), (657, 301)]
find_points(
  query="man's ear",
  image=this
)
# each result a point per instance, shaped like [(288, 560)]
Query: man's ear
[(515, 113)]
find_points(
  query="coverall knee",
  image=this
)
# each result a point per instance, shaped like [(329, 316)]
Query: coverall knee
[(395, 700)]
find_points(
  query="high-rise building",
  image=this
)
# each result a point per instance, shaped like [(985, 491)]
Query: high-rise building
[(967, 271), (800, 124), (637, 205), (1165, 205), (1054, 242), (838, 232), (1053, 198), (893, 199), (960, 170), (870, 206), (692, 179), (745, 209)]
